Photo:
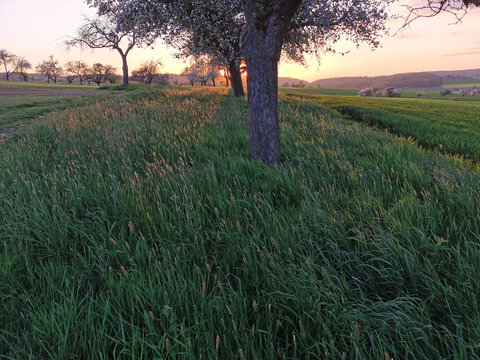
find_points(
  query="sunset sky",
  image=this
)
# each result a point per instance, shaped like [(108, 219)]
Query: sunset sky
[(36, 29)]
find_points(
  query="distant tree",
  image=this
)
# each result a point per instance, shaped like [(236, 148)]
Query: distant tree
[(22, 66), (103, 32), (191, 74), (300, 84), (8, 59), (202, 69), (55, 70), (97, 73), (147, 72), (44, 69), (110, 74), (77, 69), (50, 69), (70, 78)]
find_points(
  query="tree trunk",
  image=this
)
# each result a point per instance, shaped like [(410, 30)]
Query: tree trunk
[(124, 69), (236, 80), (262, 45)]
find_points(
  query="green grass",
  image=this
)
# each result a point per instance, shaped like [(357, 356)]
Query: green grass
[(21, 102), (138, 228), (45, 84), (446, 126), (428, 94), (461, 82)]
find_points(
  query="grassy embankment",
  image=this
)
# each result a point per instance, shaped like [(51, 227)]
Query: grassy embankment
[(139, 228)]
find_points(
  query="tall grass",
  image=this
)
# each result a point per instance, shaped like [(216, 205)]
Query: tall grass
[(139, 229), (449, 127)]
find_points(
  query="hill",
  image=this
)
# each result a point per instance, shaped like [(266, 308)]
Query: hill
[(288, 81), (406, 80), (458, 73)]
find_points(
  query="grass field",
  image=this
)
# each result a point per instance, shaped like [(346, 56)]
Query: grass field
[(446, 126), (21, 102), (138, 228), (428, 94), (461, 82)]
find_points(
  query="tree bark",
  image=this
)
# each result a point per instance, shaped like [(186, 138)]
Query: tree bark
[(266, 27), (124, 68), (236, 80)]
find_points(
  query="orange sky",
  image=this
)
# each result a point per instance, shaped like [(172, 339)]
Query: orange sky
[(37, 28)]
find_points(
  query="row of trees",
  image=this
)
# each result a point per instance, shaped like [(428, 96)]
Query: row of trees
[(259, 32), (13, 64), (75, 70), (256, 32)]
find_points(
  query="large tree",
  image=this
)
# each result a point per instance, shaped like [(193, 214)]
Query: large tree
[(267, 27), (104, 32), (9, 62)]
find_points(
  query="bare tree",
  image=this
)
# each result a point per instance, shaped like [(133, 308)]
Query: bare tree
[(8, 59), (50, 69), (103, 33), (431, 8), (22, 66), (147, 72), (97, 73), (110, 74), (77, 69)]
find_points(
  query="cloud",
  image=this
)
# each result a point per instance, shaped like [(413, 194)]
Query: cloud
[(475, 52)]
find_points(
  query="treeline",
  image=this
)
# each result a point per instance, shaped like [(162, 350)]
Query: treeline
[(17, 68)]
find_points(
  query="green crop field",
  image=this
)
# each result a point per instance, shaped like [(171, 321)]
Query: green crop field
[(138, 228), (428, 94), (461, 82), (451, 127)]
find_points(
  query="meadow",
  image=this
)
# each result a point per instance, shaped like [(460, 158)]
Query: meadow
[(21, 102), (137, 228)]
